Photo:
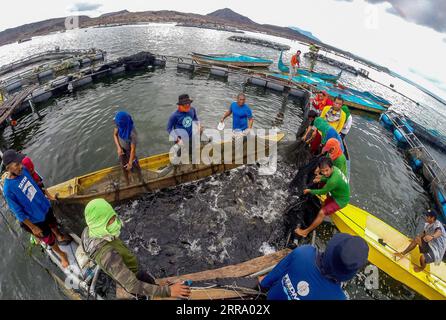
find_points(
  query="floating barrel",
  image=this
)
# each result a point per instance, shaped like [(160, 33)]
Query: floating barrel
[(45, 74), (399, 136), (13, 85), (219, 72), (297, 93), (275, 86), (118, 70), (257, 81), (160, 63), (386, 120), (41, 95), (186, 66), (98, 56), (85, 61), (59, 81), (82, 81)]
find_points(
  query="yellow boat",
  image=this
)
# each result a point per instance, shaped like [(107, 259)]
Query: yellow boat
[(384, 241), (157, 173)]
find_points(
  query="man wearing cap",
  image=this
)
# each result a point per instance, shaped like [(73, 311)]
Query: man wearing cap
[(182, 122), (30, 206), (241, 114), (335, 115), (307, 274), (321, 100), (431, 242)]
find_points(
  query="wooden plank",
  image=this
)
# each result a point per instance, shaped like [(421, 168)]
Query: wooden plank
[(9, 106), (234, 271)]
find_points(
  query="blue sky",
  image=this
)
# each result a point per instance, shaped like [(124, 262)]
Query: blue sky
[(408, 36)]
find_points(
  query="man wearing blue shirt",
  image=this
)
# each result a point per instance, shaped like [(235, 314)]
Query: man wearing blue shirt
[(183, 119), (306, 274), (30, 206), (241, 114)]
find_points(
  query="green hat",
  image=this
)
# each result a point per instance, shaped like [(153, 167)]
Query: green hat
[(98, 213)]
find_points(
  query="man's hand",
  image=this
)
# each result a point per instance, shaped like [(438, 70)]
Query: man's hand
[(179, 290), (37, 231), (129, 166), (260, 278), (428, 238), (306, 191), (317, 179), (120, 151)]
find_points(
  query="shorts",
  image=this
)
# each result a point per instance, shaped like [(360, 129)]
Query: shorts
[(330, 206), (316, 143), (46, 225), (125, 160), (426, 250)]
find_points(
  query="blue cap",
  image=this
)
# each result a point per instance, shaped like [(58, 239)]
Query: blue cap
[(344, 257)]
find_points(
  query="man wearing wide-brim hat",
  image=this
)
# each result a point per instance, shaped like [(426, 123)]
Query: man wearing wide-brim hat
[(182, 122)]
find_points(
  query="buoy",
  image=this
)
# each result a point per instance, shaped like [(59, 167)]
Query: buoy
[(13, 123)]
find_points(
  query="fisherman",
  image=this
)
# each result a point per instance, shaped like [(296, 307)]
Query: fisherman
[(431, 242), (294, 64), (183, 123), (101, 242), (334, 151), (348, 122), (314, 51), (242, 118), (327, 132), (126, 139), (312, 137), (308, 274), (337, 189), (334, 115), (321, 100), (30, 206)]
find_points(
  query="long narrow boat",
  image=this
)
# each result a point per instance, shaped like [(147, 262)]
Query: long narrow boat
[(83, 275), (384, 241), (324, 76), (157, 173), (225, 60)]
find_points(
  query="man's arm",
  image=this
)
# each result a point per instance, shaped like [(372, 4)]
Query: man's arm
[(171, 128), (250, 123), (277, 273), (132, 156), (112, 263), (227, 114), (329, 186), (116, 140)]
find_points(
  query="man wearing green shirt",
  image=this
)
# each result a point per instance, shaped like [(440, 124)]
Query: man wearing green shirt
[(336, 188)]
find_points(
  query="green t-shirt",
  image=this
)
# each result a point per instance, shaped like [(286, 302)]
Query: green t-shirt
[(346, 110), (341, 163), (337, 186)]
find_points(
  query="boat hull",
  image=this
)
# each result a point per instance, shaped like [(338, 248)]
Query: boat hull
[(383, 240), (202, 59)]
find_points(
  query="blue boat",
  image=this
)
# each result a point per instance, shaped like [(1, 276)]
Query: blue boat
[(371, 96), (324, 76), (226, 60)]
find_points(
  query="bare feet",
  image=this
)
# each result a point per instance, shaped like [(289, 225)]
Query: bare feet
[(417, 268), (398, 255), (300, 232), (62, 237), (64, 260)]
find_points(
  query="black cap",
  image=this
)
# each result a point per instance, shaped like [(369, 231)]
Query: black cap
[(10, 156), (184, 99), (431, 213)]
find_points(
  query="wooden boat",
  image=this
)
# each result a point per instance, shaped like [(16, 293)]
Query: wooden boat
[(384, 241), (83, 274), (157, 172), (225, 60), (324, 76)]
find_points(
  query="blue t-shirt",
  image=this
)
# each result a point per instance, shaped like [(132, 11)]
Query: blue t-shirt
[(240, 116), (332, 133), (182, 120), (25, 199), (297, 277)]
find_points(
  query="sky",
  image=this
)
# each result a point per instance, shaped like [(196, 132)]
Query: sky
[(408, 36)]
